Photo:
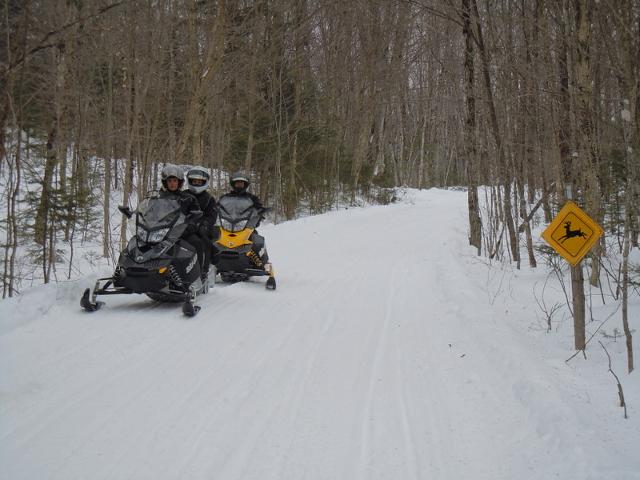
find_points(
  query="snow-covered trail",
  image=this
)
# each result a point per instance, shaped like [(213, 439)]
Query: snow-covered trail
[(378, 357)]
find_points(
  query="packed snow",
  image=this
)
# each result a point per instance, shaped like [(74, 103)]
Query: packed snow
[(388, 351)]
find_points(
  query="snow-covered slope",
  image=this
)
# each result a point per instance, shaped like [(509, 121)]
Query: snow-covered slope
[(389, 351)]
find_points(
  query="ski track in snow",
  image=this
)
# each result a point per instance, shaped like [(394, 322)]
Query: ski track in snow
[(378, 357)]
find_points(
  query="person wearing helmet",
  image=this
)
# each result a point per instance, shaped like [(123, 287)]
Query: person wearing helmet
[(198, 184), (172, 178), (239, 185)]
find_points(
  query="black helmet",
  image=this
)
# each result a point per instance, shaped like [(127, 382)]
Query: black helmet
[(198, 173), (169, 171), (239, 177)]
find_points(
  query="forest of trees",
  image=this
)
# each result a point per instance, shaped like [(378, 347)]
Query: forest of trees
[(322, 102)]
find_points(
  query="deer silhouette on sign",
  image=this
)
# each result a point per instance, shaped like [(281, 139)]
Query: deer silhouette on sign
[(571, 233)]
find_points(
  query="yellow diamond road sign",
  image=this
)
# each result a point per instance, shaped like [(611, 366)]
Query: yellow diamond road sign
[(572, 233)]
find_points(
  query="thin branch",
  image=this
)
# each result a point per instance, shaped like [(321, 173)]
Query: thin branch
[(535, 208), (435, 13), (42, 44), (620, 392)]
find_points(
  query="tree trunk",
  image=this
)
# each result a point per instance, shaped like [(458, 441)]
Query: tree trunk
[(578, 300), (497, 137), (527, 224), (52, 148), (473, 205), (129, 168), (625, 292), (586, 129), (195, 116), (107, 154), (11, 245), (568, 177)]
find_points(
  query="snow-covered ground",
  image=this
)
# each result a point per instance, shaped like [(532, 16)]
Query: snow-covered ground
[(389, 351)]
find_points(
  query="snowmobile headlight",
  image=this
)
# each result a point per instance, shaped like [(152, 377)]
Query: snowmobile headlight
[(239, 226), (141, 233), (226, 224), (158, 235)]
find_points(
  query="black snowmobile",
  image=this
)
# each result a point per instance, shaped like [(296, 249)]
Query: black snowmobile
[(236, 258), (156, 261)]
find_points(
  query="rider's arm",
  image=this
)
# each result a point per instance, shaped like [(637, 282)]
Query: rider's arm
[(188, 202), (257, 203), (210, 214)]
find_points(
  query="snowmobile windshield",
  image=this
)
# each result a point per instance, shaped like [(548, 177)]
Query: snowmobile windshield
[(158, 212), (237, 213), (235, 207)]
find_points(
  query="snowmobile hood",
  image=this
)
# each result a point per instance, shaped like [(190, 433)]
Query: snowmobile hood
[(234, 239), (148, 254)]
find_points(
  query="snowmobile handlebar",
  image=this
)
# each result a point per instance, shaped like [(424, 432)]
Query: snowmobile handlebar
[(126, 211)]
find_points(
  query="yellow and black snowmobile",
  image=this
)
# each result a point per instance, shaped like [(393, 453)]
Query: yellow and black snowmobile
[(240, 250)]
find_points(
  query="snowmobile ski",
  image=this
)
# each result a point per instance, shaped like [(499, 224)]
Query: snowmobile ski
[(89, 302), (189, 309), (271, 283)]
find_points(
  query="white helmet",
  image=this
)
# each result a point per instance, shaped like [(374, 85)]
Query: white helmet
[(201, 177)]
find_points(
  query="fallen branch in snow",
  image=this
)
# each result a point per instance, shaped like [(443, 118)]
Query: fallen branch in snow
[(620, 392), (584, 354)]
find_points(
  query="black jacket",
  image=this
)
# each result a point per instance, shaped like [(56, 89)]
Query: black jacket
[(209, 212)]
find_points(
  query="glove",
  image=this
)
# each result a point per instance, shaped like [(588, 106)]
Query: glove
[(205, 232), (191, 229), (186, 202)]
